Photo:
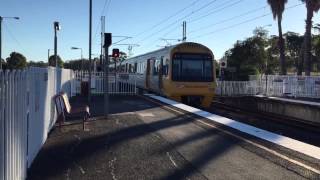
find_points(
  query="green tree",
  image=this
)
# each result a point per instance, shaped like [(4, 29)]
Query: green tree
[(4, 64), (294, 44), (52, 61), (37, 64), (272, 61), (316, 52), (277, 8), (248, 57), (74, 64), (312, 6), (16, 61)]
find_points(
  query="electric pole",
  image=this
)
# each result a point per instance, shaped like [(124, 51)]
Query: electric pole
[(102, 40), (184, 31), (90, 46), (107, 44)]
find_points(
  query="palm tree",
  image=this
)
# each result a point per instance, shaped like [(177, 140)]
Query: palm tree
[(312, 6), (277, 8)]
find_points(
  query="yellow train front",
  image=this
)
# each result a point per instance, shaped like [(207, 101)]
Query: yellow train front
[(183, 72)]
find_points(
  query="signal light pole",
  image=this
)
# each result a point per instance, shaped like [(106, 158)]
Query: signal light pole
[(107, 44)]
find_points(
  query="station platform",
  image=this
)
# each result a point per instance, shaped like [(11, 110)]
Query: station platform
[(151, 137), (303, 101), (301, 111)]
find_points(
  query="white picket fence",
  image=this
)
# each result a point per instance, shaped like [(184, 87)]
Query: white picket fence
[(122, 83), (27, 114), (272, 85)]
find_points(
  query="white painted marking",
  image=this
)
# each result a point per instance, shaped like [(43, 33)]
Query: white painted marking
[(80, 168), (146, 114), (291, 100), (304, 148), (171, 159)]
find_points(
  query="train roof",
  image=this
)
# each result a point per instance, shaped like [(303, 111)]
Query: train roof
[(169, 48)]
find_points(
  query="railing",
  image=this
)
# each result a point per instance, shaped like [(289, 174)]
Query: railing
[(124, 84), (27, 114), (236, 88), (273, 85)]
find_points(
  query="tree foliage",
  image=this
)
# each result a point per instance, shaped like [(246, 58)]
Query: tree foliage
[(249, 56), (52, 61), (312, 6), (16, 61), (277, 8), (37, 64)]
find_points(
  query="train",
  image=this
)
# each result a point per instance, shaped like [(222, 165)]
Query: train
[(184, 72)]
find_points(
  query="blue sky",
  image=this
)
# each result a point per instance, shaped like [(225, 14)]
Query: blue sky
[(32, 35)]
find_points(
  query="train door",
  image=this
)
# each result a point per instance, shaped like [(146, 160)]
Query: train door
[(148, 73), (160, 85)]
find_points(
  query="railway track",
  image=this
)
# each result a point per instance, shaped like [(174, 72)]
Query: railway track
[(288, 126)]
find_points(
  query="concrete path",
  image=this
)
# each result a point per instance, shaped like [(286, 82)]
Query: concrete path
[(149, 142)]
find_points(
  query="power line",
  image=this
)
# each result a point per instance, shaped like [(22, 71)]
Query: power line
[(212, 12), (189, 14), (14, 38), (168, 18), (243, 22), (105, 7), (229, 19)]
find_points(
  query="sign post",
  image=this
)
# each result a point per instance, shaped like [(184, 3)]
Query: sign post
[(107, 43), (223, 66)]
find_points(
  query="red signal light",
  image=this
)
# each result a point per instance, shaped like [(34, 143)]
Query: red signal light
[(115, 53)]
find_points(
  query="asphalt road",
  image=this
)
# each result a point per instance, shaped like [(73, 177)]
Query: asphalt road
[(149, 142)]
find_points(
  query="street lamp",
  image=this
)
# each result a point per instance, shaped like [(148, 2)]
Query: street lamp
[(77, 48), (56, 28), (1, 19)]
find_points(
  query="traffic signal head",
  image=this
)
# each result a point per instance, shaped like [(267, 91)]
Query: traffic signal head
[(115, 53), (107, 40), (223, 63)]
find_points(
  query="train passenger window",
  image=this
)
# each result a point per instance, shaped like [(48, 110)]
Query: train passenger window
[(165, 67), (156, 67), (135, 67), (126, 70)]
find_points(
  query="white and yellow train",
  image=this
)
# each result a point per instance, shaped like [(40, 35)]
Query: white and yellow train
[(184, 72)]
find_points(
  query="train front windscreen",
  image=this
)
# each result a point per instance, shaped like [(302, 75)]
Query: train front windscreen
[(192, 67)]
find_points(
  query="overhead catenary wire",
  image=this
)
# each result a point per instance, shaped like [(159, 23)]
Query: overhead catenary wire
[(105, 8), (218, 10), (207, 14), (229, 19), (243, 22), (6, 27), (167, 19), (189, 14)]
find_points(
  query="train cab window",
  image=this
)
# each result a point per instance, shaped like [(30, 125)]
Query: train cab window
[(192, 67)]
